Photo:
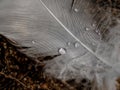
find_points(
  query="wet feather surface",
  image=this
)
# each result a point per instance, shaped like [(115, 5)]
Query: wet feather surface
[(77, 38)]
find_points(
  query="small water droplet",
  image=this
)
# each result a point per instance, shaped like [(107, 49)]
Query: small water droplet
[(99, 33), (96, 31), (62, 51), (68, 43), (76, 10), (33, 42), (93, 24), (87, 29), (77, 44), (25, 79)]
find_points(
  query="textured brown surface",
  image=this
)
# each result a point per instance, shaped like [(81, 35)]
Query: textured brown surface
[(118, 84), (20, 72)]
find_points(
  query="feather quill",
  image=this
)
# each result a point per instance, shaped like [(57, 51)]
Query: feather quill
[(65, 28), (108, 84)]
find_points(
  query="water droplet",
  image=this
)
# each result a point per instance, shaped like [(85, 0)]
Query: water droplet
[(87, 29), (77, 44), (93, 24), (76, 10), (33, 42), (62, 51), (96, 31), (99, 33), (68, 43), (25, 79)]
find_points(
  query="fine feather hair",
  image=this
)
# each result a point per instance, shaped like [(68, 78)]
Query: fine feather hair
[(106, 14)]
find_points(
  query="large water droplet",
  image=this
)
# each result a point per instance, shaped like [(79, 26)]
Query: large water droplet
[(77, 44), (62, 51)]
